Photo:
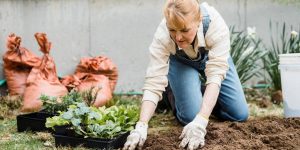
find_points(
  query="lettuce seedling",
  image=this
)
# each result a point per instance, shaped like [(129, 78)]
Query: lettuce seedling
[(99, 122)]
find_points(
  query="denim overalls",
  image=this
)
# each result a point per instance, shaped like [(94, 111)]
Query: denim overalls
[(185, 82)]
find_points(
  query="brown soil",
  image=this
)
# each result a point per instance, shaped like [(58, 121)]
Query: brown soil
[(264, 103), (261, 133), (277, 97)]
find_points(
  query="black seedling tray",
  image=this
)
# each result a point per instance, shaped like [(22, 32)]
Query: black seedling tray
[(64, 130), (33, 121), (65, 140)]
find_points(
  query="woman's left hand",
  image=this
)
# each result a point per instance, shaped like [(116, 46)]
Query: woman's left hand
[(193, 133)]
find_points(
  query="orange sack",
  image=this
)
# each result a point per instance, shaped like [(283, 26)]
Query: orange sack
[(100, 65), (71, 82), (83, 82), (42, 79), (18, 62)]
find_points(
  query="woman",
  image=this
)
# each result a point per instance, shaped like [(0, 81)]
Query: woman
[(192, 41)]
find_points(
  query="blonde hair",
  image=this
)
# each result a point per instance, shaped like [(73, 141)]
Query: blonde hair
[(177, 11)]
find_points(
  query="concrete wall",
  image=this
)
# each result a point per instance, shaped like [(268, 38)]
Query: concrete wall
[(119, 29)]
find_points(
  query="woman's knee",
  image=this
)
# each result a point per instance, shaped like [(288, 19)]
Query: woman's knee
[(237, 113), (185, 118), (241, 115)]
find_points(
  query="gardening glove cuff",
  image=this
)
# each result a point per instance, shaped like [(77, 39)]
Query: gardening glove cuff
[(200, 120)]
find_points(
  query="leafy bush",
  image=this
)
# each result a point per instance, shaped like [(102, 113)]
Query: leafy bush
[(286, 44), (99, 122), (53, 104), (246, 51), (90, 95)]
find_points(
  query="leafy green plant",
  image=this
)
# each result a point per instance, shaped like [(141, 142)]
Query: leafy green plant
[(99, 122), (286, 44), (124, 100), (90, 95), (246, 51), (53, 104)]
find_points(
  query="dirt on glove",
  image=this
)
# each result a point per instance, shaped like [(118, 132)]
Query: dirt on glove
[(260, 133)]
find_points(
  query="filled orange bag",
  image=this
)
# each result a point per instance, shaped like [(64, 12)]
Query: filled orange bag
[(42, 79), (83, 82), (18, 62), (100, 65), (70, 82)]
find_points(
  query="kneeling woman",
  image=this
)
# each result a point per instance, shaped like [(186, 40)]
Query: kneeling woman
[(191, 42)]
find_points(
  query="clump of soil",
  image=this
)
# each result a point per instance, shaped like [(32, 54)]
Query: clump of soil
[(264, 103), (260, 133), (277, 97)]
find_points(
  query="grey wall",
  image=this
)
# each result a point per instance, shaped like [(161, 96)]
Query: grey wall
[(119, 29)]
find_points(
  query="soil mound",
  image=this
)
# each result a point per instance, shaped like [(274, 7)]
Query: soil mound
[(261, 133)]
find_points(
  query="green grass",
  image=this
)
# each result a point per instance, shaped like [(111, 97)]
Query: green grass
[(11, 139)]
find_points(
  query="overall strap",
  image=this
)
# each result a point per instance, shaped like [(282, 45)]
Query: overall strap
[(205, 20)]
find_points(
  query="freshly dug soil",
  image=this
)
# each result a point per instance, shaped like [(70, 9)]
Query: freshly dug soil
[(261, 133)]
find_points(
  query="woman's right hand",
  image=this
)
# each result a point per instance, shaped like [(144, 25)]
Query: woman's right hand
[(137, 136)]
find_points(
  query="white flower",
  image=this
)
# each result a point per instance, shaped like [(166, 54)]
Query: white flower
[(294, 34), (251, 32)]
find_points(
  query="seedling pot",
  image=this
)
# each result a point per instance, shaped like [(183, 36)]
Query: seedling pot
[(33, 121)]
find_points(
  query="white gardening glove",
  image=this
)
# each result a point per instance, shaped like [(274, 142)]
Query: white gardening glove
[(137, 136), (193, 133)]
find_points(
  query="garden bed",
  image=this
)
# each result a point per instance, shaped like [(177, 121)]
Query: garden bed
[(256, 133)]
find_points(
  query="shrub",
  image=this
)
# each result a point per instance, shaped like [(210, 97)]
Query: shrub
[(246, 51)]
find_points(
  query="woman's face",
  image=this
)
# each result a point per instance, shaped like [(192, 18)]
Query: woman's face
[(185, 36)]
